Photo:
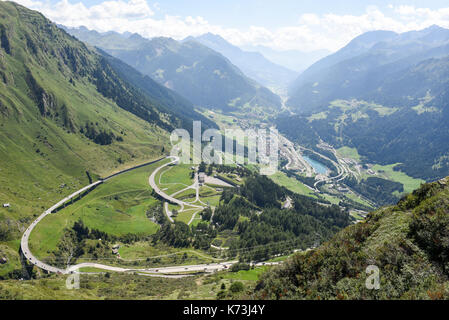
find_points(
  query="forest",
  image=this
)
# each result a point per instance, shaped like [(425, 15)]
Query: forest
[(255, 212)]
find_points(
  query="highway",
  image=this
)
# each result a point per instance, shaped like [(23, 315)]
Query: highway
[(160, 272), (170, 199), (26, 235), (211, 267), (172, 269)]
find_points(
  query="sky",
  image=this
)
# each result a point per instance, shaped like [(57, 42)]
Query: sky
[(278, 24)]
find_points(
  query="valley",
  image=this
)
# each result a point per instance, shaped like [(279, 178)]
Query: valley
[(324, 175), (100, 183)]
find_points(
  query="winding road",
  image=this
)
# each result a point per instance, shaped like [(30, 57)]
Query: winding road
[(25, 238), (169, 198), (147, 272)]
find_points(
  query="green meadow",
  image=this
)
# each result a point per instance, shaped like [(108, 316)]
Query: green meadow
[(117, 207), (292, 184), (409, 183)]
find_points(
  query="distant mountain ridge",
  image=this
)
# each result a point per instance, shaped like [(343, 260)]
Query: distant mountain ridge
[(385, 94), (360, 68), (198, 73), (295, 60), (252, 63)]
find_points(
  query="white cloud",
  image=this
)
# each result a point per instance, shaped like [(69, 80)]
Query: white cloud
[(327, 31)]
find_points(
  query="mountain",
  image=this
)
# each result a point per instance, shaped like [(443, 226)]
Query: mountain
[(408, 243), (292, 59), (384, 94), (198, 73), (68, 115), (366, 67), (253, 64), (168, 100)]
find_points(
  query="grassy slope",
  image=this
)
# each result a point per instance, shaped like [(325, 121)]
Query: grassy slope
[(408, 243), (292, 184), (347, 152), (127, 286), (409, 183), (40, 152), (117, 207)]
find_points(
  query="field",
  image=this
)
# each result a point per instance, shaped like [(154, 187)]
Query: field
[(212, 201), (144, 250), (174, 178), (250, 275), (187, 214), (409, 183), (117, 207), (292, 184), (346, 152)]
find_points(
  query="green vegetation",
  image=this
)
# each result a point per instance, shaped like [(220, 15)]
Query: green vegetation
[(212, 201), (249, 275), (178, 174), (117, 207), (390, 173), (254, 213), (378, 190), (347, 152), (407, 242), (161, 253), (67, 117), (291, 184), (198, 73), (186, 215), (116, 286), (391, 111)]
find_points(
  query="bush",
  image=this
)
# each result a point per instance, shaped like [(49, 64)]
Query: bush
[(240, 266), (236, 287)]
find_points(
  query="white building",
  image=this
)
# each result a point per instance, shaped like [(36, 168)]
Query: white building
[(6, 205)]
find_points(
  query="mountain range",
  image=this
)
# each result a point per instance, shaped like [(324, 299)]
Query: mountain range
[(200, 74), (295, 60), (384, 94), (252, 63), (374, 67), (73, 112)]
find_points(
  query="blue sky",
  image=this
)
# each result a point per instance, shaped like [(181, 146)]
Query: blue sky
[(241, 13), (282, 24)]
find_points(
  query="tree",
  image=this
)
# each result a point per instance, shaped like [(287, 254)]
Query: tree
[(236, 287), (206, 214), (202, 167)]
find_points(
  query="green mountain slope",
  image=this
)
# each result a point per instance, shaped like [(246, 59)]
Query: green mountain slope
[(409, 243), (198, 73), (66, 117), (168, 100)]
